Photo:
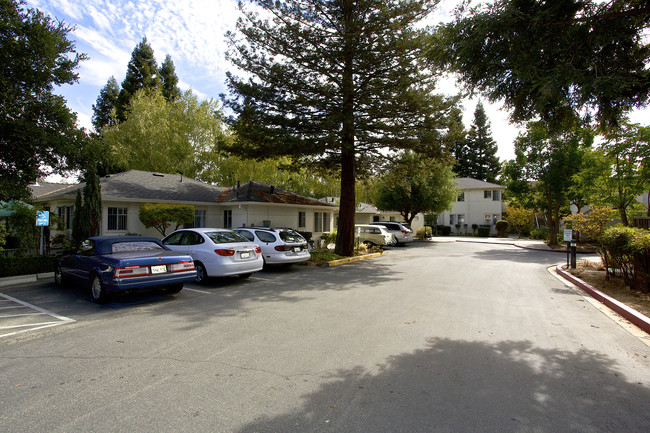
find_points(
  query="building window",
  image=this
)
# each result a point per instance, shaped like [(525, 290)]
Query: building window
[(227, 219), (452, 219), (302, 219), (461, 197), (318, 222), (487, 194), (66, 213), (487, 218), (199, 218), (326, 222), (461, 219), (496, 195), (117, 218)]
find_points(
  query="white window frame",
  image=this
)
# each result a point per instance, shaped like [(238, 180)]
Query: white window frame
[(117, 219)]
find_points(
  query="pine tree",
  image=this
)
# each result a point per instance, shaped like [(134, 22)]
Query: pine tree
[(142, 72), (106, 103), (169, 79), (482, 162), (333, 84)]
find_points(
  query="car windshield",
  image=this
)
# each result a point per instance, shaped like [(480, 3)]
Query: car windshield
[(120, 247), (291, 236), (225, 237)]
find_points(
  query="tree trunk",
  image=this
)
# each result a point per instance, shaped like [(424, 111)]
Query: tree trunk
[(347, 206)]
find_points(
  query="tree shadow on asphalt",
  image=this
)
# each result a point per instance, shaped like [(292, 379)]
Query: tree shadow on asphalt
[(465, 386), (233, 296)]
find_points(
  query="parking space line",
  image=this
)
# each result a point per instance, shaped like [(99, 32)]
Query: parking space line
[(199, 291), (60, 320)]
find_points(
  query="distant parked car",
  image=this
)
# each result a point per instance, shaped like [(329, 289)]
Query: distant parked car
[(112, 264), (280, 246), (373, 235), (402, 231), (217, 252)]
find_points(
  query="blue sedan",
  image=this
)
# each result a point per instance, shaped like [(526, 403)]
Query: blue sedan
[(118, 264)]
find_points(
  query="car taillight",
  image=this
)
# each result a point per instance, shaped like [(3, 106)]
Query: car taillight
[(405, 232), (131, 271), (180, 267), (283, 248), (225, 253), (258, 250)]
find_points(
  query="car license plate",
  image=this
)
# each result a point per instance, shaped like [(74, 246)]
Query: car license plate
[(159, 269), (245, 255), (297, 249)]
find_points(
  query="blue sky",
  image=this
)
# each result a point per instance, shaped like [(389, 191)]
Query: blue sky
[(192, 32)]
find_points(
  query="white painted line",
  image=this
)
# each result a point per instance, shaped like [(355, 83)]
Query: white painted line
[(198, 291), (61, 320)]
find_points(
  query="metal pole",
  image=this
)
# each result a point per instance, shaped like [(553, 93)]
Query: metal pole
[(573, 255)]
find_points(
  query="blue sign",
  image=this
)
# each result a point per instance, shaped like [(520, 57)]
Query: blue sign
[(42, 218)]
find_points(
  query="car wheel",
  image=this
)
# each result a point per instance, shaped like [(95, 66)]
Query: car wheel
[(58, 275), (97, 289), (244, 276), (201, 273)]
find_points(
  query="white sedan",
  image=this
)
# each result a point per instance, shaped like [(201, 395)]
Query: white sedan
[(217, 252)]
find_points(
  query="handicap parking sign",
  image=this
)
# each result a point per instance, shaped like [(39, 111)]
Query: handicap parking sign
[(42, 218)]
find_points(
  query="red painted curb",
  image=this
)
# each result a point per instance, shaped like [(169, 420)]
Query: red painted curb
[(630, 314)]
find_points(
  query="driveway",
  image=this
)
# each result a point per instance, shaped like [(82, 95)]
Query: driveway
[(432, 337)]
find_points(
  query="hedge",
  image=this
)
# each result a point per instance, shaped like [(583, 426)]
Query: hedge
[(484, 232), (25, 265)]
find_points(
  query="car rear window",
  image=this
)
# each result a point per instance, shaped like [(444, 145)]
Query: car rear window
[(225, 237), (120, 247), (291, 236)]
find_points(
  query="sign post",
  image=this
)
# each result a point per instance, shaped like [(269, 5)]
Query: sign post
[(42, 221), (570, 248)]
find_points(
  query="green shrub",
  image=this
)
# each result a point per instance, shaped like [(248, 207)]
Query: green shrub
[(540, 233), (329, 238), (423, 232), (484, 232), (443, 230), (502, 228), (25, 265), (621, 245)]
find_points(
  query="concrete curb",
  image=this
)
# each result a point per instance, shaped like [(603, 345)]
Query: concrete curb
[(332, 263), (628, 313), (24, 279)]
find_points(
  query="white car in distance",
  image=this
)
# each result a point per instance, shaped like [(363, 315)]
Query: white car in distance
[(280, 246), (217, 252)]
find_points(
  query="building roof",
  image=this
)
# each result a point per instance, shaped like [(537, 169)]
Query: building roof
[(265, 193), (141, 185), (470, 183)]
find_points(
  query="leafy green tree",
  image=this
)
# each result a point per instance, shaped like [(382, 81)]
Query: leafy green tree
[(161, 215), (142, 73), (417, 184), (552, 60), (480, 156), (331, 84), (38, 132), (169, 79), (550, 160), (3, 236), (104, 107), (519, 217), (181, 136)]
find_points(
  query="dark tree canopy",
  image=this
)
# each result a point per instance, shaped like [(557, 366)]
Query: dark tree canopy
[(331, 84), (556, 61), (37, 130), (169, 79), (106, 103), (142, 72)]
